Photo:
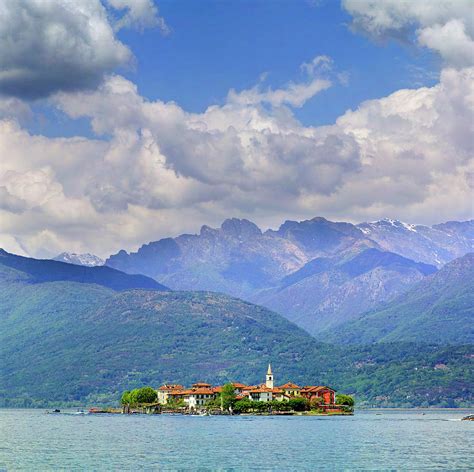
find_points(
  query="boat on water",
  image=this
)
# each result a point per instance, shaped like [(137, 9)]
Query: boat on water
[(468, 418), (59, 412)]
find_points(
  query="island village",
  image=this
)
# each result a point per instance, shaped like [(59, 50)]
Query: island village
[(202, 398)]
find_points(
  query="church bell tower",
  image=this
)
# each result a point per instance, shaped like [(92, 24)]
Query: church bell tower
[(269, 377)]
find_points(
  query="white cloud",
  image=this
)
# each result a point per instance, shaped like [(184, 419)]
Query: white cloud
[(48, 46), (159, 170), (445, 26), (139, 14), (165, 171), (293, 94)]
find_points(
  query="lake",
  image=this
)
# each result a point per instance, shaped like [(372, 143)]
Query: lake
[(375, 440)]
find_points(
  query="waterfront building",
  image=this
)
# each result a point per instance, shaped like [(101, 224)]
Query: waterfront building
[(291, 389), (326, 394), (165, 390), (201, 392)]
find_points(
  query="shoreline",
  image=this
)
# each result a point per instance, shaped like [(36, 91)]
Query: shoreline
[(87, 407)]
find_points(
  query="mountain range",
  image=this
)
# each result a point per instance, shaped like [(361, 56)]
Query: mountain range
[(81, 335), (439, 309), (317, 273), (88, 260)]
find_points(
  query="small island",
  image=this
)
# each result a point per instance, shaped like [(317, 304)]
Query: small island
[(236, 398)]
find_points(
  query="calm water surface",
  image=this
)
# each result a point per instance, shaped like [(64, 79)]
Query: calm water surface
[(370, 440)]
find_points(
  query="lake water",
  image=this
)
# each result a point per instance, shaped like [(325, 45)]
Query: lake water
[(370, 440)]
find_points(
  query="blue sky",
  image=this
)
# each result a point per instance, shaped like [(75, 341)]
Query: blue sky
[(221, 45), (215, 46), (124, 121)]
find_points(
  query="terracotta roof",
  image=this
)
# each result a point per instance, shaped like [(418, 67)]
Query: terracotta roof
[(201, 384), (239, 385), (290, 385), (201, 391), (315, 388), (177, 392), (261, 390), (282, 395), (167, 387)]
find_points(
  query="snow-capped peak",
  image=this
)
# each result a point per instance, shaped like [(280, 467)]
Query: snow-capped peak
[(89, 260), (394, 223)]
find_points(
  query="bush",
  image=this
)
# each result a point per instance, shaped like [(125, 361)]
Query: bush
[(315, 403), (298, 404), (243, 406), (139, 395), (280, 406), (345, 400)]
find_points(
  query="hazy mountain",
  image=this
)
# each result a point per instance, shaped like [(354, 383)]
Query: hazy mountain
[(276, 267), (237, 258), (35, 271), (86, 259), (65, 340), (330, 291), (439, 309), (437, 244)]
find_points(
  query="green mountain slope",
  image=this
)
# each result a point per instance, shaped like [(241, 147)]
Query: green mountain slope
[(66, 341), (329, 291), (45, 270), (440, 309)]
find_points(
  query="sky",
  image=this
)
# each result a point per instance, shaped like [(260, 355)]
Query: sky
[(125, 121)]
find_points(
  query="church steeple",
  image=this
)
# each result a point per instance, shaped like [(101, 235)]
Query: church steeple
[(269, 377)]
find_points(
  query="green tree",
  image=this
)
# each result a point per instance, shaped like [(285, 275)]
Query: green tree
[(125, 399), (315, 403), (345, 400), (298, 404), (146, 395), (280, 406), (227, 396), (243, 406), (175, 402)]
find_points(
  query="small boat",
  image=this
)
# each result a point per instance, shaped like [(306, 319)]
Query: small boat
[(468, 418)]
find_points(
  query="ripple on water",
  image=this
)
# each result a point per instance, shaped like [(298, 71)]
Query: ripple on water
[(31, 440)]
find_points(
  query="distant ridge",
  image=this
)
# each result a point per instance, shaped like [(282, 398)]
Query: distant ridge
[(438, 309), (45, 270), (240, 260), (89, 260)]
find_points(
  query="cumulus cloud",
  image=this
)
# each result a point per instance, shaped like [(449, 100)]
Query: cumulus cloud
[(156, 169), (165, 171), (293, 94), (139, 14), (445, 26), (46, 46)]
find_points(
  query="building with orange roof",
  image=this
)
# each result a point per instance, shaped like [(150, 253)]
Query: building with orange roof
[(261, 394), (202, 393), (239, 387), (165, 390), (291, 389), (326, 394)]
